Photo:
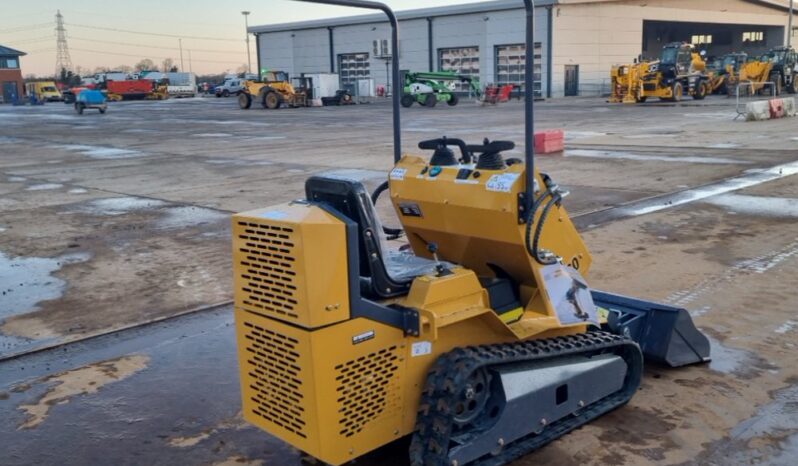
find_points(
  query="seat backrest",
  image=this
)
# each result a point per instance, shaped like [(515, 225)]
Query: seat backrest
[(350, 198)]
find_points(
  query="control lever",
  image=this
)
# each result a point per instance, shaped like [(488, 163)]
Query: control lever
[(439, 267), (434, 144)]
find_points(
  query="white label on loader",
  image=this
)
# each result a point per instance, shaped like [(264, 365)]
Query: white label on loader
[(398, 174), (421, 348), (501, 183)]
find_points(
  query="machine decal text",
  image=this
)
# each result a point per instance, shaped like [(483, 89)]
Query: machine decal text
[(502, 183)]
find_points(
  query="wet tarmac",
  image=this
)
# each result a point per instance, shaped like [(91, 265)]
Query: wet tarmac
[(113, 226)]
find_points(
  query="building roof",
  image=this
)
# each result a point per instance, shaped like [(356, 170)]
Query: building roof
[(420, 13), (449, 10), (9, 51)]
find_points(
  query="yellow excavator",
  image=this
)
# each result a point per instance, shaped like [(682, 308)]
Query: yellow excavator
[(679, 72), (272, 91), (479, 338)]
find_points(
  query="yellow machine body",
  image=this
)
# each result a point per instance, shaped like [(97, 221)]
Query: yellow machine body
[(635, 83), (337, 387), (276, 81), (754, 75)]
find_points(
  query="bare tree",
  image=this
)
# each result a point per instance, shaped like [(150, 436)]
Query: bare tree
[(242, 69), (146, 65), (167, 65)]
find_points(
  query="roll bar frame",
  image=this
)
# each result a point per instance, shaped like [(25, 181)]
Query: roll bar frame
[(529, 92)]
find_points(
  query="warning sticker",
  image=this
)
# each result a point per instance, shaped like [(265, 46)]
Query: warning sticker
[(502, 183), (398, 173), (421, 348)]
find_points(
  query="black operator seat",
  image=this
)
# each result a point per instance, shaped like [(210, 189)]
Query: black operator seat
[(384, 273)]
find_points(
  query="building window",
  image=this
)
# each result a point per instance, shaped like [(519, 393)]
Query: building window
[(460, 60), (754, 37), (9, 63), (353, 66), (511, 62), (702, 39)]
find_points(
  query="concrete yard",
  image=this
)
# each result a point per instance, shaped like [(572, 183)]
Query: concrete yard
[(116, 336)]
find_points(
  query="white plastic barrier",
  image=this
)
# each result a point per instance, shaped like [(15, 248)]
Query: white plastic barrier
[(758, 110), (789, 107)]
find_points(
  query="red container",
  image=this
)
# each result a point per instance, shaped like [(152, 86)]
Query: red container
[(550, 141), (139, 87)]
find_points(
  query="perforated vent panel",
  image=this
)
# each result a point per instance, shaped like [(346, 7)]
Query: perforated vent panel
[(275, 378), (367, 387), (268, 269)]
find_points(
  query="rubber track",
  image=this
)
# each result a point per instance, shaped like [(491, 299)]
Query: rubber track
[(448, 376)]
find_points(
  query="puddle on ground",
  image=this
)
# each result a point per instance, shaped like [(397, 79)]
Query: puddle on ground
[(576, 135), (780, 415), (140, 130), (119, 205), (77, 382), (606, 154), (264, 138), (9, 140), (730, 360), (44, 187), (78, 191), (238, 163), (26, 281), (189, 216), (750, 178), (212, 135), (757, 205), (786, 327), (724, 145), (15, 179), (99, 152), (241, 122)]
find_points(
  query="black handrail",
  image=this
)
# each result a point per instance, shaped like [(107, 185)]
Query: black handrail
[(529, 107), (397, 86), (529, 92)]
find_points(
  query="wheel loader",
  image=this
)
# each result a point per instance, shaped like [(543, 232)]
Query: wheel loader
[(679, 72), (479, 338), (272, 91)]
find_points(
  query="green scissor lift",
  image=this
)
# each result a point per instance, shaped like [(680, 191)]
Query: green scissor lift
[(429, 88)]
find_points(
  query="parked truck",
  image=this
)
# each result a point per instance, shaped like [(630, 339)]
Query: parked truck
[(136, 89)]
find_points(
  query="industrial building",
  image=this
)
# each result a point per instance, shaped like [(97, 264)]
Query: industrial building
[(11, 84), (577, 41)]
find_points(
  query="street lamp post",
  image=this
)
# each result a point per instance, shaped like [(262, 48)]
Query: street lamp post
[(246, 31), (789, 27)]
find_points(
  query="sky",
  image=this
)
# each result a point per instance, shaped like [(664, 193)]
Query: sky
[(109, 33)]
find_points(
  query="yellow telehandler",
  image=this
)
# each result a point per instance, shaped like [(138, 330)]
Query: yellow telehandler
[(679, 72), (272, 91)]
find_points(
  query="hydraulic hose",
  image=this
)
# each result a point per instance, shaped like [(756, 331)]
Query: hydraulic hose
[(555, 199)]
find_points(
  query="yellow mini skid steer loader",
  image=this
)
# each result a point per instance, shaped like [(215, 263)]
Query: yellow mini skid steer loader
[(480, 338)]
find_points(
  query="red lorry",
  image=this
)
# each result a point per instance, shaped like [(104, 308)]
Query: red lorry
[(131, 89)]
